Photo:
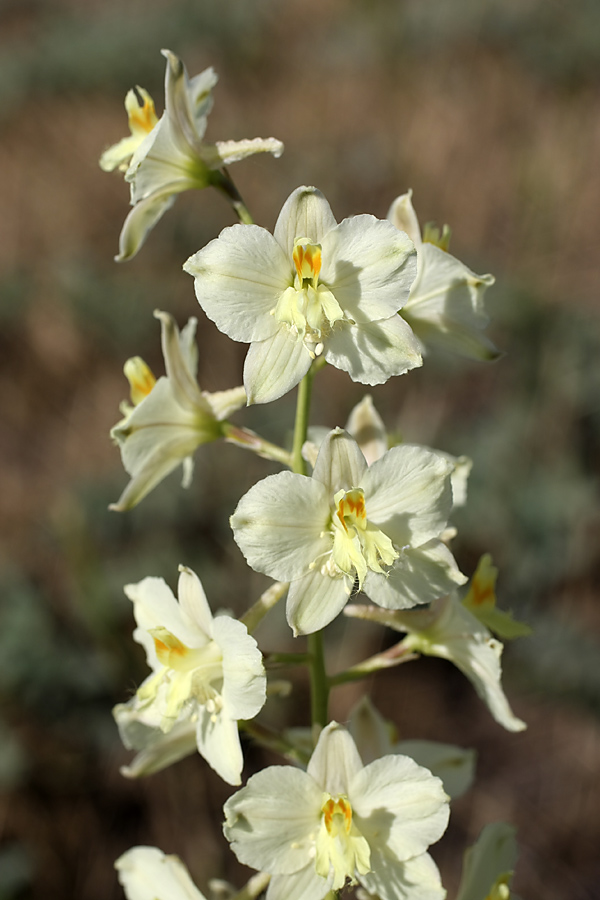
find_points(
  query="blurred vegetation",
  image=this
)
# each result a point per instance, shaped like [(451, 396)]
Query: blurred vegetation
[(489, 111)]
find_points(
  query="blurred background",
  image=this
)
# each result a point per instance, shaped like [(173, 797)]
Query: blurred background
[(490, 111)]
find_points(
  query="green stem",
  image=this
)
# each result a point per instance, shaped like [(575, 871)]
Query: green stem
[(319, 688), (221, 180)]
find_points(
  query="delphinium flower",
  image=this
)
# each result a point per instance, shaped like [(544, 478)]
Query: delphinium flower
[(341, 821), (146, 873), (378, 526), (375, 737), (445, 307), (448, 629), (172, 156), (206, 670), (170, 417), (312, 288)]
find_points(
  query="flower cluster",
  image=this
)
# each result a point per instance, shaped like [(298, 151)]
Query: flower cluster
[(354, 511)]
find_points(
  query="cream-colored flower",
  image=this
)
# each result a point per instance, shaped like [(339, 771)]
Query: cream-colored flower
[(312, 288), (339, 822), (205, 670), (169, 156), (170, 417)]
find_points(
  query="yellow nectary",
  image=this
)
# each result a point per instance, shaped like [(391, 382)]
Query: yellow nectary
[(358, 545), (340, 845)]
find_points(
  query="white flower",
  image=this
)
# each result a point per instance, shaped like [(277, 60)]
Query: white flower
[(170, 417), (173, 156), (445, 307), (379, 525), (489, 864), (205, 670), (146, 873), (313, 287), (449, 630), (338, 821), (375, 737)]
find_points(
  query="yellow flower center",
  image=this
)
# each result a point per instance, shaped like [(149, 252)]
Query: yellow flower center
[(433, 235), (358, 545), (188, 673), (140, 378), (340, 845), (141, 113), (308, 308)]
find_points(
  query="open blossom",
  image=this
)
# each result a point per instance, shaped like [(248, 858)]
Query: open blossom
[(311, 288), (376, 525), (205, 670), (445, 307), (448, 629), (168, 156), (170, 417), (341, 821)]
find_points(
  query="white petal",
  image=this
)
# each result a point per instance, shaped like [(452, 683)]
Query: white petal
[(314, 601), (278, 525), (272, 822), (340, 464), (218, 741), (193, 602), (400, 804), (302, 885), (233, 151), (156, 750), (408, 494), (239, 278), (244, 682), (367, 428), (445, 307), (415, 879), (419, 575), (454, 765), (154, 606), (187, 101), (274, 366), (183, 380), (371, 732), (403, 217), (369, 266), (372, 353), (146, 873), (305, 214), (494, 854), (335, 760), (141, 219), (224, 403)]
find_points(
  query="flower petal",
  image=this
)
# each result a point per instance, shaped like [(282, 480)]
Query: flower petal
[(274, 366), (399, 804), (141, 219), (154, 606), (419, 575), (367, 428), (244, 681), (239, 278), (340, 464), (305, 214), (314, 601), (272, 821), (374, 352), (228, 152), (415, 879), (278, 525), (369, 266), (454, 765), (403, 217), (218, 741), (299, 886), (146, 873), (193, 602), (156, 750), (335, 761), (188, 101), (408, 494), (183, 380)]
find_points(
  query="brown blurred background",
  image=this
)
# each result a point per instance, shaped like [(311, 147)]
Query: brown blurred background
[(490, 111)]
